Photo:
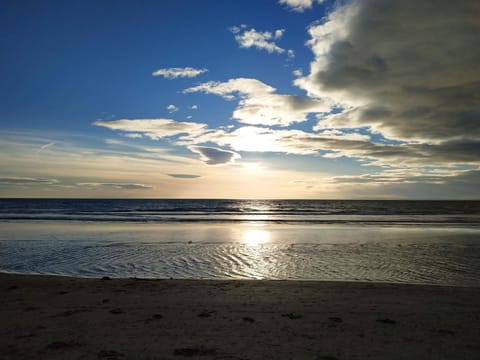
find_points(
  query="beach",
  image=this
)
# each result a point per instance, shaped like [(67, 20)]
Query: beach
[(54, 317)]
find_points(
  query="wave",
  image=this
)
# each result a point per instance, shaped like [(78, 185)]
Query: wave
[(279, 211)]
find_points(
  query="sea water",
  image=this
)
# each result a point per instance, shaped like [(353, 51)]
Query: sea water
[(429, 242)]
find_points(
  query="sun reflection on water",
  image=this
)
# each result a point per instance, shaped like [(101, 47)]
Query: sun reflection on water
[(255, 237)]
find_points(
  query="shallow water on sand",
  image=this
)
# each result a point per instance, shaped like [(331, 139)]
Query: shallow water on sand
[(434, 255)]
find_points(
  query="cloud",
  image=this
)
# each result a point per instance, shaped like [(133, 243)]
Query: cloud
[(215, 156), (299, 5), (194, 107), (406, 69), (260, 139), (172, 108), (184, 176), (260, 40), (401, 177), (337, 143), (117, 186), (259, 104), (408, 184), (27, 181), (297, 73), (174, 73), (154, 128), (237, 29), (133, 135)]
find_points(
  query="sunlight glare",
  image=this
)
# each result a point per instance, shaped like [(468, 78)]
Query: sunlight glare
[(256, 237)]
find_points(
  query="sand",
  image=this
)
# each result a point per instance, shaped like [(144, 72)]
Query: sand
[(50, 317)]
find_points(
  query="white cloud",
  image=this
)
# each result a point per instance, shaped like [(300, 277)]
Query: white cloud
[(154, 128), (258, 103), (260, 40), (291, 53), (172, 108), (174, 73), (297, 73), (134, 135), (237, 29), (194, 107), (226, 89), (299, 5), (278, 34)]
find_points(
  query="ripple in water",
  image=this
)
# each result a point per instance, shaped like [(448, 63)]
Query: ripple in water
[(449, 257)]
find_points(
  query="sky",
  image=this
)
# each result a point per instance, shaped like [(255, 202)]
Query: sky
[(311, 99)]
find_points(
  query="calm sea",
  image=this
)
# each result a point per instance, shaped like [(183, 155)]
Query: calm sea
[(434, 242)]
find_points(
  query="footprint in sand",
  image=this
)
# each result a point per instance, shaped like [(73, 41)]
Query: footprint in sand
[(292, 316), (117, 311)]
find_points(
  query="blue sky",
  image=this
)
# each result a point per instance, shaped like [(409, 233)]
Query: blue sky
[(241, 99)]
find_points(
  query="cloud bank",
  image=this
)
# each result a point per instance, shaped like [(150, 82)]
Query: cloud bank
[(405, 69)]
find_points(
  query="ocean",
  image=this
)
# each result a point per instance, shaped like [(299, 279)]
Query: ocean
[(426, 242)]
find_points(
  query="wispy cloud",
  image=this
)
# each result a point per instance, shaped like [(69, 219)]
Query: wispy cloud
[(393, 178), (27, 181), (215, 156), (117, 186), (174, 73), (299, 5), (154, 128), (259, 104), (260, 40)]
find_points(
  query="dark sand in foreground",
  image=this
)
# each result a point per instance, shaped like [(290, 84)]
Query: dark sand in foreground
[(45, 317)]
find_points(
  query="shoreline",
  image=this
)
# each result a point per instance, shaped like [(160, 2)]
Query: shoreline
[(55, 317), (227, 279)]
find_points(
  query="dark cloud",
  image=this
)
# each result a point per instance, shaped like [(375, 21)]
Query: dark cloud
[(27, 181), (214, 156), (407, 68), (184, 176)]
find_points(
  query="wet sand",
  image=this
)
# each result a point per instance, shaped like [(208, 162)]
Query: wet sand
[(50, 317)]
